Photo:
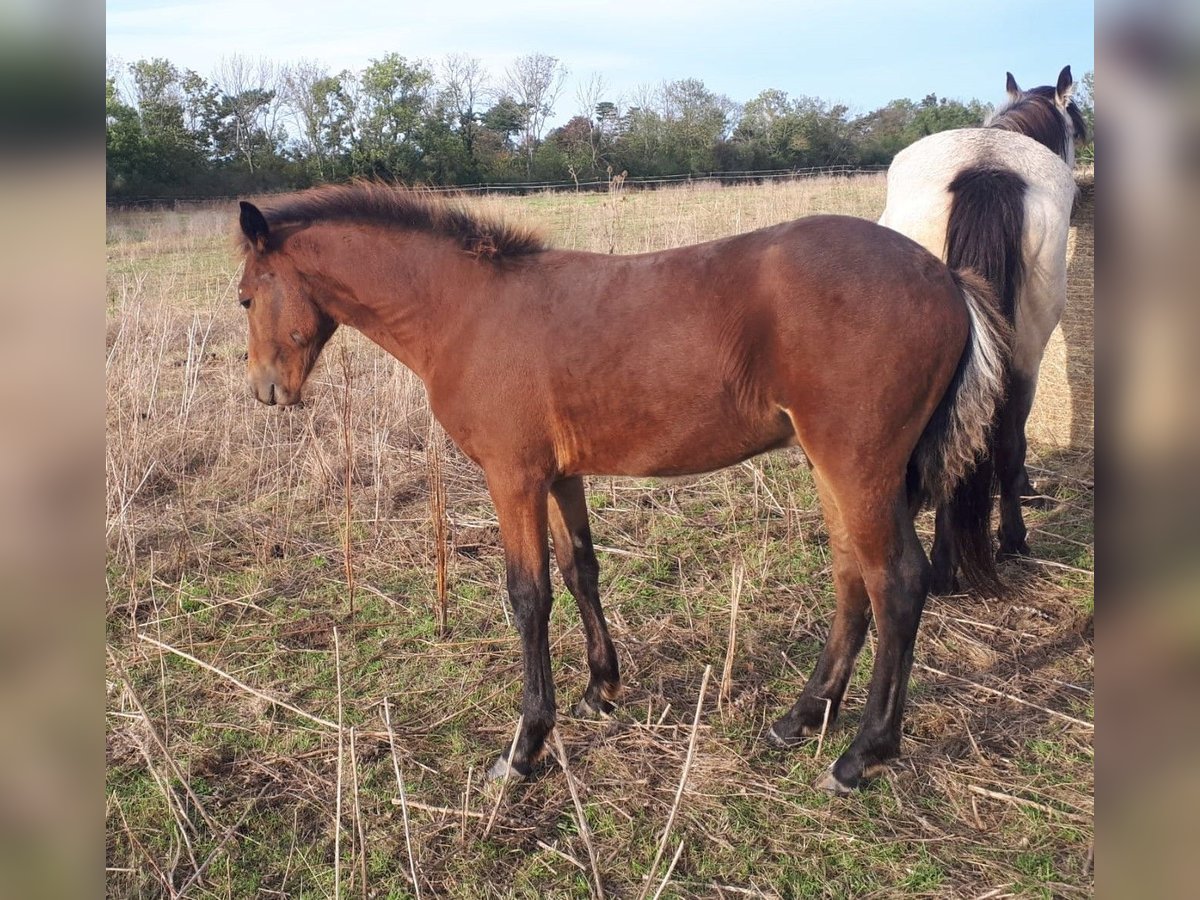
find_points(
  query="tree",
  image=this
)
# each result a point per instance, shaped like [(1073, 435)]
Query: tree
[(696, 120), (1085, 99), (768, 134), (393, 96), (167, 152), (464, 84), (321, 112), (250, 108), (123, 141), (534, 82)]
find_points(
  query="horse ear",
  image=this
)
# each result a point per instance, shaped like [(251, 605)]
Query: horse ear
[(254, 225), (1011, 86), (1066, 85)]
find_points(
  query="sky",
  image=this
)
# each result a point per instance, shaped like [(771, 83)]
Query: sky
[(862, 54)]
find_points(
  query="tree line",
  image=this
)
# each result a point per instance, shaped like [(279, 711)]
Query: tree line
[(254, 126)]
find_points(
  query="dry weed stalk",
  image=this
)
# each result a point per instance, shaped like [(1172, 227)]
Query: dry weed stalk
[(358, 825), (737, 580), (337, 831), (1015, 699), (616, 185), (404, 803), (437, 515), (687, 767), (670, 869), (348, 446), (584, 831), (158, 741), (507, 772), (262, 695)]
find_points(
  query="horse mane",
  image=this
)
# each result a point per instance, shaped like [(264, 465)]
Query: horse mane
[(387, 206), (1035, 114)]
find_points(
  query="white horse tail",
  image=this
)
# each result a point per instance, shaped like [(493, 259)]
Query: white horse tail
[(953, 459), (985, 227)]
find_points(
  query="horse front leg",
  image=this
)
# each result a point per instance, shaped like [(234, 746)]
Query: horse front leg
[(581, 572), (521, 508)]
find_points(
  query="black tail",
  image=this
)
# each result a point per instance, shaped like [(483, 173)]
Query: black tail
[(987, 219), (952, 464), (984, 232)]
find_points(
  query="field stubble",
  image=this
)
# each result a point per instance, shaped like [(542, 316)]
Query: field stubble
[(233, 654)]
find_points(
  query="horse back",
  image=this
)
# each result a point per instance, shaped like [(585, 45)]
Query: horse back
[(695, 358)]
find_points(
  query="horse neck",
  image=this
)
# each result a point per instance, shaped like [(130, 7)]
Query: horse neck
[(406, 291), (1007, 120)]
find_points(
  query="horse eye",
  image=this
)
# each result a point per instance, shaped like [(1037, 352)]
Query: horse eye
[(298, 338), (245, 302)]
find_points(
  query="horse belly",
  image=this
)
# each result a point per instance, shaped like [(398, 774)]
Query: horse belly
[(687, 436)]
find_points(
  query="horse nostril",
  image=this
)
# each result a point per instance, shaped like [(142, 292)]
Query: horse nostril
[(271, 398)]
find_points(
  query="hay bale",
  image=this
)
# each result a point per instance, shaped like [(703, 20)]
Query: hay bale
[(1063, 412)]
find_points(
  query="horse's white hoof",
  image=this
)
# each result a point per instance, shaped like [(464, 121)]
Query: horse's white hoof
[(828, 782), (502, 769)]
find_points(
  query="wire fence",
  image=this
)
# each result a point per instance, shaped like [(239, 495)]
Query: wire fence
[(649, 182)]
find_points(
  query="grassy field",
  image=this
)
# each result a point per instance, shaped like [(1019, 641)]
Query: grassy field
[(235, 644)]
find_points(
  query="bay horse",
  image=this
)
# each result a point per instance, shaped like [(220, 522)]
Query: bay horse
[(998, 199), (543, 365)]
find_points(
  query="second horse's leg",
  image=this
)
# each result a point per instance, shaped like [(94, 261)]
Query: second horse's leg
[(1010, 464)]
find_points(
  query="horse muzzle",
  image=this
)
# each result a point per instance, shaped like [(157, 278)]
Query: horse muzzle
[(270, 392)]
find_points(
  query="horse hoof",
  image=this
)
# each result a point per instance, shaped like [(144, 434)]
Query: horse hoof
[(829, 783), (1011, 549), (589, 709), (1037, 501), (502, 769), (944, 587), (778, 742)]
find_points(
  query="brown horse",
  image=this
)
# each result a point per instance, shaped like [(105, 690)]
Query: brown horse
[(544, 365)]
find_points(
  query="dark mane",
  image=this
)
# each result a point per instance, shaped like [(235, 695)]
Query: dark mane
[(373, 203), (1035, 114)]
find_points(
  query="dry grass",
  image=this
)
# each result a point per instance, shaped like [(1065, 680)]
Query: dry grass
[(227, 541)]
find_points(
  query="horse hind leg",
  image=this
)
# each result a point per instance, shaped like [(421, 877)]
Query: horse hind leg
[(821, 698), (581, 572), (1011, 448), (896, 575)]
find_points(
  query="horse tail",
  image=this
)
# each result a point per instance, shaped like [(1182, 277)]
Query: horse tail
[(987, 221), (953, 458)]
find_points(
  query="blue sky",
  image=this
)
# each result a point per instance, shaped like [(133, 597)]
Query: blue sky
[(862, 54)]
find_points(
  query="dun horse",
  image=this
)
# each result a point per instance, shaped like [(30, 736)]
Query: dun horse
[(998, 199), (544, 366)]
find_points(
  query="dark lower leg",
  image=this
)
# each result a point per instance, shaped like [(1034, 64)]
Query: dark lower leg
[(530, 598), (898, 590), (942, 556), (821, 699), (581, 572), (1010, 464), (522, 515)]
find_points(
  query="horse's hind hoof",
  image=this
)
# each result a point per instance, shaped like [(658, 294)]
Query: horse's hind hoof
[(1014, 550), (593, 709), (944, 587), (502, 769), (829, 783), (778, 742)]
